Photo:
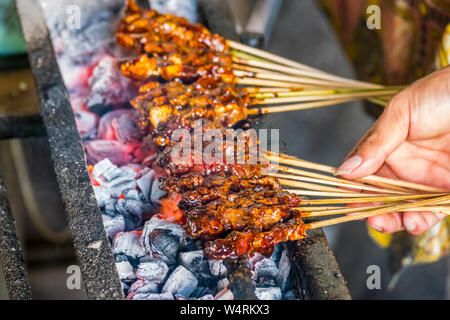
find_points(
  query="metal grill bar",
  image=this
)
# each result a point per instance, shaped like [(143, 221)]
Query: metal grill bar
[(91, 244), (11, 257)]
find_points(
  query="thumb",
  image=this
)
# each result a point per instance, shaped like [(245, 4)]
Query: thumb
[(390, 130)]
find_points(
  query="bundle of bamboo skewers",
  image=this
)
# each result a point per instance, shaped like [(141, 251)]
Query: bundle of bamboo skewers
[(287, 85), (375, 195)]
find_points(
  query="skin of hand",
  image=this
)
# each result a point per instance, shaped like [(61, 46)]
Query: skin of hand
[(410, 141)]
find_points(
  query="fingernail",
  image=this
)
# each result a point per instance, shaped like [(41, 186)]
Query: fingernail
[(348, 166), (410, 225), (377, 228)]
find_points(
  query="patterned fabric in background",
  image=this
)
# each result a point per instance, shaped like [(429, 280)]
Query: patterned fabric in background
[(413, 41)]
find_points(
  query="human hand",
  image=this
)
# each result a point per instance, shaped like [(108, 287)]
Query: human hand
[(410, 141)]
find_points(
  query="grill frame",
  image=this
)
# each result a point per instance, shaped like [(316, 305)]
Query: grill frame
[(317, 275)]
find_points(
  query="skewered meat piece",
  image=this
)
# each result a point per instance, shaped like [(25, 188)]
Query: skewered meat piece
[(241, 243), (171, 47), (214, 219), (149, 31), (176, 67), (205, 99), (195, 181), (202, 196)]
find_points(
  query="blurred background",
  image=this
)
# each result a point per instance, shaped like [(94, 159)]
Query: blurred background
[(296, 29)]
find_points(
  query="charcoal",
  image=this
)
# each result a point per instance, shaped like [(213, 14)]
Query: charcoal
[(107, 85), (102, 167), (276, 255), (222, 284), (125, 287), (195, 262), (105, 129), (165, 245), (132, 195), (284, 268), (127, 243), (156, 193), (152, 296), (201, 292), (266, 283), (144, 183), (125, 271), (272, 293), (120, 257), (110, 208), (255, 258), (290, 295), (86, 124), (217, 268), (117, 153), (132, 211), (159, 224), (103, 195), (144, 286), (266, 268), (113, 225), (127, 130), (181, 281), (154, 271)]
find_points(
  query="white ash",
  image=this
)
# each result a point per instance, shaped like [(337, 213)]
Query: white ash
[(86, 124), (271, 275), (118, 153), (143, 286), (284, 267), (217, 268), (222, 284), (127, 243), (156, 193), (152, 296), (125, 271), (156, 223), (145, 184), (181, 281), (271, 293), (107, 85), (154, 271), (266, 268), (113, 225), (195, 262)]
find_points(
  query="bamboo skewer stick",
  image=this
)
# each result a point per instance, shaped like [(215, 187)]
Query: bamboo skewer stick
[(311, 186), (371, 199), (291, 79), (295, 107), (323, 97), (371, 213), (283, 61), (327, 182), (332, 180), (370, 179), (306, 213), (269, 83), (261, 65)]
